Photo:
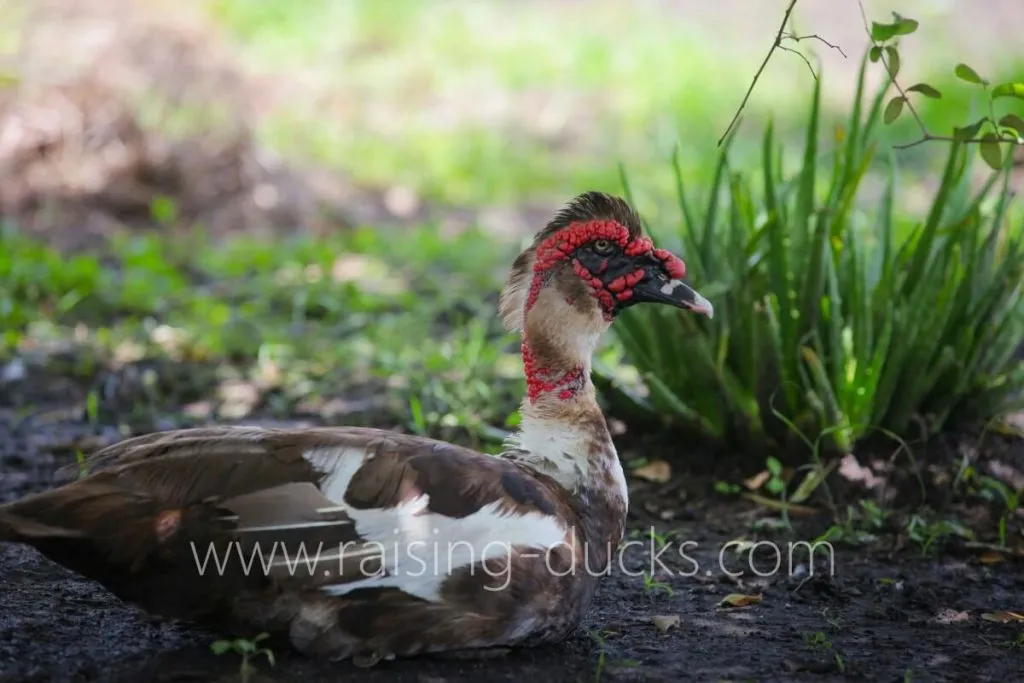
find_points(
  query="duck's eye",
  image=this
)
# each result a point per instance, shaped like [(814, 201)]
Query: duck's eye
[(602, 246)]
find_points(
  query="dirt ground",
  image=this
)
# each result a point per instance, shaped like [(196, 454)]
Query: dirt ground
[(882, 611)]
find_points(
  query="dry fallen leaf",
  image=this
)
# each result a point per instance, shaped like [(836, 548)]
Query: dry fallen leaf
[(739, 600), (740, 545), (991, 557), (664, 622), (1012, 424), (758, 480), (657, 471), (950, 616), (987, 550), (852, 470), (1003, 617)]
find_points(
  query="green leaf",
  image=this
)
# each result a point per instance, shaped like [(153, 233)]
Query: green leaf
[(1009, 90), (882, 32), (875, 54), (926, 90), (901, 27), (163, 210), (969, 131), (819, 379), (991, 152), (893, 59), (893, 109), (906, 25), (92, 407), (966, 73), (1013, 121), (923, 248)]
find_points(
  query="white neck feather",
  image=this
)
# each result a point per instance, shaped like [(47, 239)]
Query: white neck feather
[(568, 455), (560, 437)]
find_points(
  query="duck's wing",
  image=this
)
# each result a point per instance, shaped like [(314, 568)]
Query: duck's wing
[(179, 520)]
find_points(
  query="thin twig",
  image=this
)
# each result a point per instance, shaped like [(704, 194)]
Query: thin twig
[(815, 36), (775, 44), (903, 94), (928, 137), (802, 56)]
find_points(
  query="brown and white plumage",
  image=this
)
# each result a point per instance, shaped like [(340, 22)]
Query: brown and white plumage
[(363, 543)]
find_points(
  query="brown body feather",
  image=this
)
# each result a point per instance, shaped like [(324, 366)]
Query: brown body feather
[(144, 518)]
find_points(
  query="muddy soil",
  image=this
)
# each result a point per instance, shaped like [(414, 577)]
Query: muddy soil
[(881, 612)]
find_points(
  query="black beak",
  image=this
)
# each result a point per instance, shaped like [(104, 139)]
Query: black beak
[(673, 292)]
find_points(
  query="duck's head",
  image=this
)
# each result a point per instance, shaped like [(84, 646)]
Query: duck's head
[(589, 263)]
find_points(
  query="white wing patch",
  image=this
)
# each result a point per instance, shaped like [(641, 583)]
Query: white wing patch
[(420, 549), (407, 546), (341, 464)]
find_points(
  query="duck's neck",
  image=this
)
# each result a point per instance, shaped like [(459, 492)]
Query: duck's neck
[(563, 432)]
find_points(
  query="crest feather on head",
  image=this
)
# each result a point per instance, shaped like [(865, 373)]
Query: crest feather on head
[(589, 206)]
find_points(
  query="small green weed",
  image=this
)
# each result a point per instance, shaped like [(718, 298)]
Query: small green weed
[(83, 468), (818, 641), (653, 586), (775, 485), (993, 491), (1016, 644), (926, 531), (726, 488), (859, 524), (602, 655), (248, 650)]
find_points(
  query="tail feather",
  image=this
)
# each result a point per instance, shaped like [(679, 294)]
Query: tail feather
[(17, 529)]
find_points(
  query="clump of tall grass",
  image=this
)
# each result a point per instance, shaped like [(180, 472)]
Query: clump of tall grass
[(835, 313)]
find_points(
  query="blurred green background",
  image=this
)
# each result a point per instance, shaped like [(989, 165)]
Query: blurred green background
[(498, 102)]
